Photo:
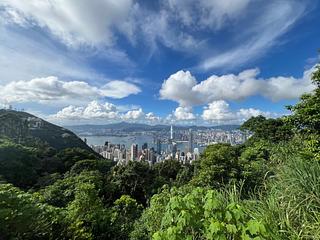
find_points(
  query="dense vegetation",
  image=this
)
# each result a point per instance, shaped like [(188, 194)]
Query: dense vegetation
[(267, 188)]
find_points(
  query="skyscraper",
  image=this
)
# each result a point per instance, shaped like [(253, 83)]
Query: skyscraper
[(174, 150), (190, 141), (158, 146), (144, 146), (171, 133), (134, 152)]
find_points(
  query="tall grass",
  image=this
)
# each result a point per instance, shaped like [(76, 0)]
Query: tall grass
[(291, 209)]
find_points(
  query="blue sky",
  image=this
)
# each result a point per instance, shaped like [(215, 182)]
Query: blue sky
[(181, 61)]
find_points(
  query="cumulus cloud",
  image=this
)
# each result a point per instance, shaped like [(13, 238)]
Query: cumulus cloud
[(103, 111), (93, 110), (183, 88), (216, 112), (152, 117), (134, 114), (184, 113), (179, 87), (219, 112), (52, 89)]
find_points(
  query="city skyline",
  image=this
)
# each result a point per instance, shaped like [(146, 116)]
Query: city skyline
[(206, 62), (184, 146)]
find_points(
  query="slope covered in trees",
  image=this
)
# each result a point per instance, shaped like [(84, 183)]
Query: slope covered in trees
[(267, 188), (25, 128)]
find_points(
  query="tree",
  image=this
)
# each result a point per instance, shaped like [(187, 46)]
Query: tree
[(103, 166), (22, 216), (218, 166), (86, 214), (124, 212), (19, 165), (70, 156), (273, 130), (306, 115), (134, 179), (254, 164), (62, 192)]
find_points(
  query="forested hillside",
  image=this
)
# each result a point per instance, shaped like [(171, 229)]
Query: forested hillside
[(267, 188), (27, 129)]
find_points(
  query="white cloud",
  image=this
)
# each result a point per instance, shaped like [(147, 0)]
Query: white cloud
[(51, 89), (75, 22), (152, 117), (96, 111), (134, 115), (119, 89), (183, 25), (93, 110), (219, 112), (183, 88), (184, 113), (278, 88), (179, 87)]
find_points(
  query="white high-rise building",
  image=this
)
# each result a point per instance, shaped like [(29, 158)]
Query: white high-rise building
[(171, 133), (190, 141)]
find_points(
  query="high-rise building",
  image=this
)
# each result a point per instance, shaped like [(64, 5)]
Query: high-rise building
[(144, 146), (174, 150), (158, 146), (171, 133), (190, 141), (134, 152)]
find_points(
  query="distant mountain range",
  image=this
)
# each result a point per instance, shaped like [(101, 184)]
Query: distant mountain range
[(138, 127), (22, 127)]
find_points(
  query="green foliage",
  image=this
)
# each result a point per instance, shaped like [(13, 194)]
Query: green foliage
[(103, 166), (199, 214), (88, 218), (254, 163), (134, 179), (306, 116), (218, 166), (124, 212), (306, 113), (291, 208), (62, 192), (168, 169), (70, 156), (150, 220), (273, 130), (18, 164), (22, 216)]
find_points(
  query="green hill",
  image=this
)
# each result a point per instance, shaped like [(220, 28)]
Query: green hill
[(25, 128)]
